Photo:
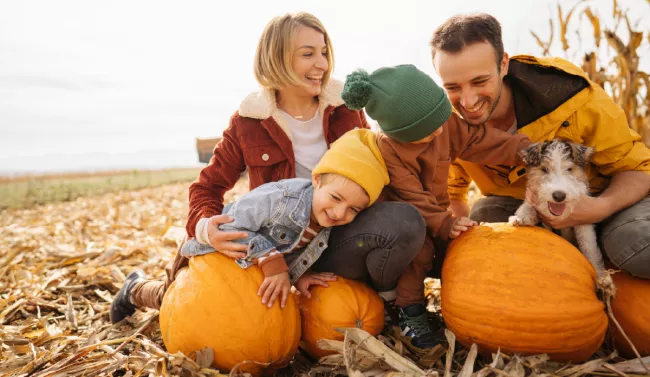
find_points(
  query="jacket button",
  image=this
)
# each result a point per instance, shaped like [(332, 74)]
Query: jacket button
[(283, 236), (305, 262), (565, 123), (265, 157), (320, 244)]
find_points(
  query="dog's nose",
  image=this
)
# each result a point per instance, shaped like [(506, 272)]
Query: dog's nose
[(559, 196)]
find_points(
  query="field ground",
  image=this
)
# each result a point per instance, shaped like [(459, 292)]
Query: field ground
[(62, 263), (28, 191)]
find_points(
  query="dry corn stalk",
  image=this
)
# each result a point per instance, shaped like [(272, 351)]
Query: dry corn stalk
[(613, 65)]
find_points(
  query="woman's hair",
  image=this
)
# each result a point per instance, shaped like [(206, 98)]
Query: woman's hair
[(274, 55)]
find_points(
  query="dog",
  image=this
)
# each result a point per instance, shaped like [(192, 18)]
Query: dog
[(556, 172)]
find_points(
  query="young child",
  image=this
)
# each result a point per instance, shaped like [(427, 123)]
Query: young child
[(288, 222), (419, 140)]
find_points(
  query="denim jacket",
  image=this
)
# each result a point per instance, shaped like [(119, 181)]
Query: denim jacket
[(275, 215)]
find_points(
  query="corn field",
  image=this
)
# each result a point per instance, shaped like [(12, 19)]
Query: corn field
[(612, 59)]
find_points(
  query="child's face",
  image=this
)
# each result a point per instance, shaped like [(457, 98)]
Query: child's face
[(429, 138), (338, 201)]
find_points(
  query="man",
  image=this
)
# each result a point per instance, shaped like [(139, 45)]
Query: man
[(545, 98)]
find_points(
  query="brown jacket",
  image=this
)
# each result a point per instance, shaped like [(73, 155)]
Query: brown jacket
[(258, 139), (418, 172)]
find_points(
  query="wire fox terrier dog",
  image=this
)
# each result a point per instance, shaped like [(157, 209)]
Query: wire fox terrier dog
[(556, 171)]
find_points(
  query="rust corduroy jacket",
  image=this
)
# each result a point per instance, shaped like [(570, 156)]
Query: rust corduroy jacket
[(259, 139)]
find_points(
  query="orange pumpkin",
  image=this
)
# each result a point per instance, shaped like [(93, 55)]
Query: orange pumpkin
[(214, 303), (524, 290), (344, 303), (631, 307)]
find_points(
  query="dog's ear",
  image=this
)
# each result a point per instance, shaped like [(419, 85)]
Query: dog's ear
[(532, 154), (581, 154)]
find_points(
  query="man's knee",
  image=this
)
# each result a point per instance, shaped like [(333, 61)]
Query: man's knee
[(494, 209), (627, 245)]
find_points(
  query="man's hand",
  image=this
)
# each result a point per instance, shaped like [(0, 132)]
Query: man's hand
[(313, 278), (459, 208), (222, 241), (274, 287), (586, 210), (462, 224)]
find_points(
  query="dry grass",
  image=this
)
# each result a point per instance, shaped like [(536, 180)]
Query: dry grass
[(609, 55), (62, 264), (28, 191)]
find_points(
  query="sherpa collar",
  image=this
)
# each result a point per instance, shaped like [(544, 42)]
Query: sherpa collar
[(262, 104)]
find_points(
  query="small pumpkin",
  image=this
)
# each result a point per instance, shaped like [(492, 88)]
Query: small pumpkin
[(344, 303), (523, 290), (214, 303), (631, 307)]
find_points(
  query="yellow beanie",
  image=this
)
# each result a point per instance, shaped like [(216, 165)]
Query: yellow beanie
[(356, 156)]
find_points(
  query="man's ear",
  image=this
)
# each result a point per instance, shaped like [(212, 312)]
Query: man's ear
[(505, 64), (532, 155)]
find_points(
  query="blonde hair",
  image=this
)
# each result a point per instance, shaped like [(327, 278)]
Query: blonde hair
[(274, 55)]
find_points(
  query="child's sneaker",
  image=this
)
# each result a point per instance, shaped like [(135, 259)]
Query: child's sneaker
[(414, 323)]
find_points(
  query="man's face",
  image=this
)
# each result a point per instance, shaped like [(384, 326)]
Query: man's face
[(472, 80)]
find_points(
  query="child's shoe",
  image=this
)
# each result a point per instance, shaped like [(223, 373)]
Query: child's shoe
[(414, 323)]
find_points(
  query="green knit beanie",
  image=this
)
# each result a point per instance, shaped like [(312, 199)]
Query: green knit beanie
[(406, 102)]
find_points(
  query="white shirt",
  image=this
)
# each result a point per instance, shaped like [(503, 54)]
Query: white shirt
[(309, 143)]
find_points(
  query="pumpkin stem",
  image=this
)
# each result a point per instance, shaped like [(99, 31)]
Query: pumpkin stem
[(608, 299)]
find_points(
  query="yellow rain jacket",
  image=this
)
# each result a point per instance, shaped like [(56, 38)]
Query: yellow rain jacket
[(555, 99)]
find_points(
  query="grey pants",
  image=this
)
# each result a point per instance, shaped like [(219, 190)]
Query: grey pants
[(624, 237), (377, 246)]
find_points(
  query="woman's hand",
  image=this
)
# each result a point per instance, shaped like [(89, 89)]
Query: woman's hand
[(222, 241)]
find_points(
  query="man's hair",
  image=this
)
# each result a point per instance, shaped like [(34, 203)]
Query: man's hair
[(274, 55), (466, 29)]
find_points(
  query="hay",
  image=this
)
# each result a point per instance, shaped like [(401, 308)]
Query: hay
[(62, 264)]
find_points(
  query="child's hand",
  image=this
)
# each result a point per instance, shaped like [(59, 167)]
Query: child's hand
[(273, 287), (313, 278), (461, 225)]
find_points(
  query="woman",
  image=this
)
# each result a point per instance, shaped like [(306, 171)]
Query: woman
[(281, 132)]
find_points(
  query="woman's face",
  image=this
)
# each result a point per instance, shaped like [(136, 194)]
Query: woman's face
[(309, 61)]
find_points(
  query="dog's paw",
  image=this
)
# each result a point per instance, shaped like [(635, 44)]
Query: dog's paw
[(515, 221), (520, 221)]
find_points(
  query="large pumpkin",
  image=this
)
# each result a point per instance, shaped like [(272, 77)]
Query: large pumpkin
[(344, 303), (214, 303), (631, 307), (524, 290)]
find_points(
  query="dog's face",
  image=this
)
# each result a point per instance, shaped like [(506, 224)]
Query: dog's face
[(556, 170)]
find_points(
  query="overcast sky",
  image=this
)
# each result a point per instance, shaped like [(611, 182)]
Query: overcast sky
[(111, 83)]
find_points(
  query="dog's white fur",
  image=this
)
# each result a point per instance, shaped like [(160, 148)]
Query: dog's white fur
[(556, 173)]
